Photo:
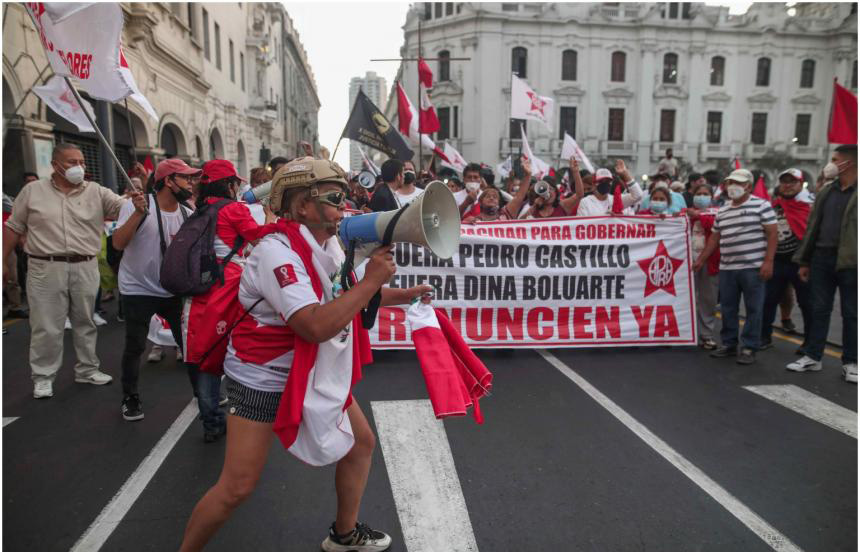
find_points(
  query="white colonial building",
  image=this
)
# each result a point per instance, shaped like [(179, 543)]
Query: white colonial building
[(631, 79), (228, 80), (375, 88)]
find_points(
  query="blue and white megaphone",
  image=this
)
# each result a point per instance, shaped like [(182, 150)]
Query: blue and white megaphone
[(258, 194), (431, 220)]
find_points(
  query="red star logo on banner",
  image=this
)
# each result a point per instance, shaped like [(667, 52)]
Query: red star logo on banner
[(537, 103), (660, 271), (67, 98)]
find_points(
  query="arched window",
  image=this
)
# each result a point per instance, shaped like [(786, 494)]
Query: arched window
[(718, 70), (568, 65), (762, 74), (444, 66), (619, 66), (519, 58), (670, 68), (807, 73)]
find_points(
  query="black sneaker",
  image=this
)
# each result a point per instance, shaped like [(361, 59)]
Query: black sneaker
[(211, 437), (788, 325), (724, 352), (746, 356), (131, 409), (360, 539)]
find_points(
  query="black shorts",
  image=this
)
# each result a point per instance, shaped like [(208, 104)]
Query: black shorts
[(251, 404)]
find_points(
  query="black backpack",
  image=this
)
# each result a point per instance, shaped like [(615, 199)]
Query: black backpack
[(189, 266)]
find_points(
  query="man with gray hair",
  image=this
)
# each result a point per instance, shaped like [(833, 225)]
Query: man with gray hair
[(63, 218)]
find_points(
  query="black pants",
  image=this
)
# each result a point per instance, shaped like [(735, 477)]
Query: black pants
[(785, 273), (138, 311)]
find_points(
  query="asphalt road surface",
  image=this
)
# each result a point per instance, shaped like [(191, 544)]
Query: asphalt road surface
[(661, 449)]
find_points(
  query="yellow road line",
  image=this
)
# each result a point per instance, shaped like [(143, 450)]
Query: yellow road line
[(7, 323), (786, 337)]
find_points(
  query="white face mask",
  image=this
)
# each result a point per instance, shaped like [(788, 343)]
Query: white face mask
[(735, 191), (75, 174), (831, 171), (472, 186)]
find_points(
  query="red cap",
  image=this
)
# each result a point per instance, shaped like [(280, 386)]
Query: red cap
[(173, 166), (218, 169)]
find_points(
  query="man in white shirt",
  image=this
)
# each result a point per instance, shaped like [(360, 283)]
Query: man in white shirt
[(407, 191), (600, 202)]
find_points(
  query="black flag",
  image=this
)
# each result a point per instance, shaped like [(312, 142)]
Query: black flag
[(370, 127)]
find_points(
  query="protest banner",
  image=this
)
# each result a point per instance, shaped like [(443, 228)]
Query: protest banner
[(563, 282)]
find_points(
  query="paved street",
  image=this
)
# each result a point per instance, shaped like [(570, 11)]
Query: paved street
[(595, 450)]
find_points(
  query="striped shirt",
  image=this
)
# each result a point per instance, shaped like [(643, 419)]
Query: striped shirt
[(742, 240)]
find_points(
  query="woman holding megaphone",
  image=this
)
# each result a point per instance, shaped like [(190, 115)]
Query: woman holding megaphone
[(292, 361)]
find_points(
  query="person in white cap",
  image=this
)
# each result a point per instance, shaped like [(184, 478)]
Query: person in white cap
[(745, 231), (600, 202)]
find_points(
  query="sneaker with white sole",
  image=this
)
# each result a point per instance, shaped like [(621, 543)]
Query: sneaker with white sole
[(43, 389), (360, 539), (131, 408), (68, 325), (804, 364), (849, 372), (156, 354), (97, 318), (94, 378)]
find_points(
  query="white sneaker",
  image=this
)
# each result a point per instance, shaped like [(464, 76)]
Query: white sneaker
[(805, 364), (156, 354), (68, 324), (178, 354), (43, 389), (95, 378), (850, 372), (98, 319)]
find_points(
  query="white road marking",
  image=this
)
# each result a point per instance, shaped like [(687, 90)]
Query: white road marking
[(753, 521), (810, 405), (7, 421), (424, 480), (109, 518)]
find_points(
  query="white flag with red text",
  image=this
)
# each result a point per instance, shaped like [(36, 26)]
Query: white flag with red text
[(526, 104), (82, 40), (539, 167), (571, 149), (407, 123), (454, 159), (58, 96)]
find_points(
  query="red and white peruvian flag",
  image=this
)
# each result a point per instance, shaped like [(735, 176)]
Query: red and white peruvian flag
[(428, 122), (59, 97), (454, 159), (455, 377), (539, 167), (136, 96), (407, 123), (81, 40), (526, 104)]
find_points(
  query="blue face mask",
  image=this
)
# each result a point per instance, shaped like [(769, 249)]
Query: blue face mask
[(659, 206), (701, 201)]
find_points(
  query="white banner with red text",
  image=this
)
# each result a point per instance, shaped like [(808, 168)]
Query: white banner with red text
[(563, 282)]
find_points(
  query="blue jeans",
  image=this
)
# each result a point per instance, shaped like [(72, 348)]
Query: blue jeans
[(734, 284), (823, 281), (785, 273), (207, 389)]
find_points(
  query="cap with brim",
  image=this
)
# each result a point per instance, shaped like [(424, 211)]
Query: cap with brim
[(740, 175), (794, 173), (603, 174), (218, 169), (174, 166)]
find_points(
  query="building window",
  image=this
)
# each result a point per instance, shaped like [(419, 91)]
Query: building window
[(759, 128), (667, 125), (762, 74), (801, 129), (510, 7), (718, 70), (515, 130), (673, 10), (619, 62), (455, 125), (459, 7), (568, 122), (444, 114), (437, 10), (685, 10), (206, 35), (670, 68), (232, 62), (449, 8), (428, 11), (217, 46), (715, 127), (807, 73), (190, 6), (519, 57), (568, 65), (616, 124), (854, 75), (242, 69), (444, 66)]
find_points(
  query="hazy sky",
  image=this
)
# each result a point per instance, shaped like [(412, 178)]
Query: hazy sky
[(341, 38)]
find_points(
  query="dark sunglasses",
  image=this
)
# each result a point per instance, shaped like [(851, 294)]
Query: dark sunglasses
[(334, 198)]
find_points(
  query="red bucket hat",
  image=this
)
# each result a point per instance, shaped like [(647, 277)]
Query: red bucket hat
[(218, 169)]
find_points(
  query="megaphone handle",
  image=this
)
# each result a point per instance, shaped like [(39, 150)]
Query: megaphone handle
[(368, 315)]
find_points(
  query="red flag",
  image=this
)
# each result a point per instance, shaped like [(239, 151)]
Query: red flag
[(407, 122), (760, 189), (843, 116), (404, 111), (428, 122), (617, 202), (737, 163), (147, 164), (425, 75)]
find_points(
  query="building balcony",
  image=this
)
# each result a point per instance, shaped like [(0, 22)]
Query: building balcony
[(613, 149), (715, 151), (755, 151), (619, 10), (807, 153), (658, 149)]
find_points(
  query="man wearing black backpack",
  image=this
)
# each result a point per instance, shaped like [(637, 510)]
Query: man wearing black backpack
[(144, 237)]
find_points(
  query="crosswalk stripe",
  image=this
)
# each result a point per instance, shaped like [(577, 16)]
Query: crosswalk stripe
[(810, 405), (764, 530), (7, 421), (423, 477)]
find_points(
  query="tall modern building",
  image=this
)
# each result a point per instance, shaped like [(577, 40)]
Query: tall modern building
[(632, 79), (374, 88)]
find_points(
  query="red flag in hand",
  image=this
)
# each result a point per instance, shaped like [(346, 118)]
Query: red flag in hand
[(843, 116), (760, 189), (147, 164), (617, 202)]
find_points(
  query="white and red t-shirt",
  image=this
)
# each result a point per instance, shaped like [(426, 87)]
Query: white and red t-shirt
[(260, 351), (234, 220)]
